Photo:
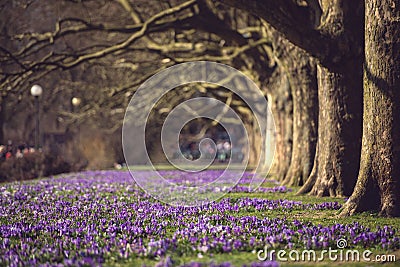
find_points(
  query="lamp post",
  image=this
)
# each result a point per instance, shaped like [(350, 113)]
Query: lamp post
[(76, 101), (37, 91)]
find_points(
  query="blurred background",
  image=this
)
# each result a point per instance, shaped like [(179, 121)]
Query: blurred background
[(90, 56)]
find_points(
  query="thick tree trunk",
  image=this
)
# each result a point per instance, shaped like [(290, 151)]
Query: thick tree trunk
[(378, 185), (302, 74), (300, 69), (340, 98), (339, 133), (308, 185), (336, 41), (255, 142), (282, 110)]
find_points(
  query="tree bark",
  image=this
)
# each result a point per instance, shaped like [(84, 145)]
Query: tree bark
[(255, 141), (340, 103), (308, 185), (282, 111), (301, 70), (378, 184), (339, 131), (337, 43)]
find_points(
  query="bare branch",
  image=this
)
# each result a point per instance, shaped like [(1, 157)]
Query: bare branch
[(294, 21)]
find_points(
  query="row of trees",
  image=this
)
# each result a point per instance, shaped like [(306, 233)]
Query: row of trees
[(327, 67)]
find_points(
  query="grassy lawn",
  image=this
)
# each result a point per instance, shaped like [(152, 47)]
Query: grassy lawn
[(102, 218), (324, 217)]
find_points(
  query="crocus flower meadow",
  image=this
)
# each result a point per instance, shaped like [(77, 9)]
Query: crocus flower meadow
[(103, 218)]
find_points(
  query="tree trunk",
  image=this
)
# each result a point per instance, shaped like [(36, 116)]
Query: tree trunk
[(255, 142), (282, 110), (308, 185), (340, 108), (338, 133), (301, 69), (336, 41), (378, 185)]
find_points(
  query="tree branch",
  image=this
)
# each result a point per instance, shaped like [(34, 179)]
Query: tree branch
[(295, 22)]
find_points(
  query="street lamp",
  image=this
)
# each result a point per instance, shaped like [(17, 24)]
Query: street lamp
[(76, 101), (37, 91)]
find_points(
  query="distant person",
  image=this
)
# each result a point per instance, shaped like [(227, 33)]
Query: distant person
[(227, 149), (2, 152), (8, 155), (19, 154), (194, 150), (221, 155), (117, 166)]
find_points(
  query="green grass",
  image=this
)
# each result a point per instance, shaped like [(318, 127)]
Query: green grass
[(324, 217)]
